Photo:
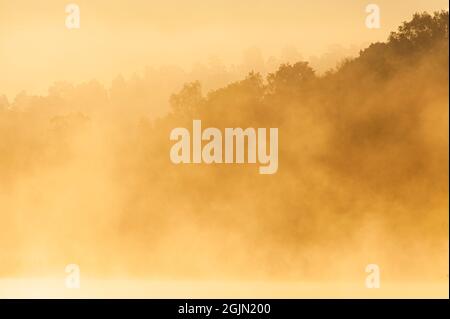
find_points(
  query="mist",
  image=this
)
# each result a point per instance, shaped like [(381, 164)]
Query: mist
[(86, 178)]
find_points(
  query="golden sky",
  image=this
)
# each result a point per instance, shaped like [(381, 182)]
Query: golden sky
[(115, 37)]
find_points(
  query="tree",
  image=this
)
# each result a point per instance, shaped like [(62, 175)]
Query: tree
[(3, 102), (421, 32), (290, 77), (188, 99)]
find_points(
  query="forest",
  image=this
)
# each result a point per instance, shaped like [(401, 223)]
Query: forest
[(362, 176)]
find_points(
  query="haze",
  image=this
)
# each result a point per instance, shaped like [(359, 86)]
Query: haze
[(36, 49)]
